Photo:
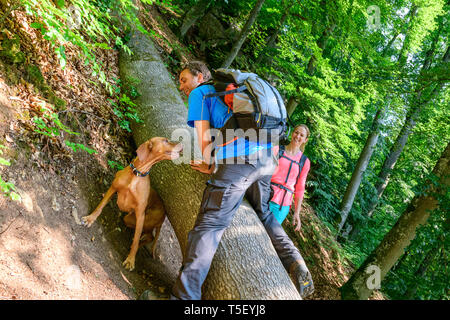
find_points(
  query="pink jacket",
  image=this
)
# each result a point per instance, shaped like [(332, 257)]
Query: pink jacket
[(279, 176)]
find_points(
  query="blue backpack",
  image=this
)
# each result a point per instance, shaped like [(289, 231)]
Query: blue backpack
[(255, 103)]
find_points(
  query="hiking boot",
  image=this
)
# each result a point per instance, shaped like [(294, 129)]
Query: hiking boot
[(151, 295), (301, 277)]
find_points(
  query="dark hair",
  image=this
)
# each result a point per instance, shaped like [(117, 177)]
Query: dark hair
[(196, 67)]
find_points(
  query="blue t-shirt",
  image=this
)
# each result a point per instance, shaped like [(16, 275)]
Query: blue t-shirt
[(217, 113)]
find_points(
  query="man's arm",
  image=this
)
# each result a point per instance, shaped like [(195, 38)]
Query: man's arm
[(202, 128)]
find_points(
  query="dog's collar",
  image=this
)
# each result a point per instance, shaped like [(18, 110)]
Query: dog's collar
[(136, 172)]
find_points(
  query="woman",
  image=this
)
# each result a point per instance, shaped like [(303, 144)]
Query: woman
[(289, 177)]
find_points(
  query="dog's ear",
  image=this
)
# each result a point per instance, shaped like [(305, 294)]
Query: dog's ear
[(144, 150)]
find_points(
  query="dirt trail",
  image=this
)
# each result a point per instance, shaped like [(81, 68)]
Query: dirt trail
[(44, 251)]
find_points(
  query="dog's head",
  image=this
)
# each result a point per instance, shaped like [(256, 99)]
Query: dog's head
[(159, 148)]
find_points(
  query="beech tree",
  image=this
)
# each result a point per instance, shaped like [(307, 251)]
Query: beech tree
[(418, 102), (409, 46), (264, 55), (366, 153), (196, 12), (243, 35), (394, 243)]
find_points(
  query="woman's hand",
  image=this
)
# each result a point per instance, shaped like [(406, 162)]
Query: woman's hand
[(296, 221), (202, 166)]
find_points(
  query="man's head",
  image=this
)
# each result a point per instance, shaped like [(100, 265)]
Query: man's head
[(193, 74)]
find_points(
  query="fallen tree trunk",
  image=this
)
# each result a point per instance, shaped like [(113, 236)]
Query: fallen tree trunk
[(246, 265)]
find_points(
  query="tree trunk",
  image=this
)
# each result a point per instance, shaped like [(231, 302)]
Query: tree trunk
[(360, 168), (246, 265), (291, 105), (321, 43), (389, 45), (271, 42), (193, 15), (408, 126), (394, 154), (359, 286), (411, 291), (244, 33), (366, 154), (403, 55)]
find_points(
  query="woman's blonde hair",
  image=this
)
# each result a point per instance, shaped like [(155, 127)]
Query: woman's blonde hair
[(304, 126)]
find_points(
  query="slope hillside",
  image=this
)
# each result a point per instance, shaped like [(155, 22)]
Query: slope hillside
[(45, 252)]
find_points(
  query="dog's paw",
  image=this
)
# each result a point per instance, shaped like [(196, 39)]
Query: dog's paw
[(87, 221), (129, 263)]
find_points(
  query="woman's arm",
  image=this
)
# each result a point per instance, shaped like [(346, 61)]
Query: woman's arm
[(299, 193), (296, 221)]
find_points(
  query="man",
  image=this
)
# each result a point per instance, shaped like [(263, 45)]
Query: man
[(226, 189)]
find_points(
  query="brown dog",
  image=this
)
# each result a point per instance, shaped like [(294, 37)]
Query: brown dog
[(134, 195)]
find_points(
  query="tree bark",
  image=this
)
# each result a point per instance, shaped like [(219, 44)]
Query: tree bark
[(402, 57), (398, 238), (243, 35), (246, 265), (291, 105), (193, 15), (360, 168)]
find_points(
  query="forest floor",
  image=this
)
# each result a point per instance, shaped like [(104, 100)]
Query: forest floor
[(45, 252)]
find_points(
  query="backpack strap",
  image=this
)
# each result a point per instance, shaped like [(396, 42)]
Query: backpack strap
[(281, 150), (223, 93), (300, 164), (204, 83)]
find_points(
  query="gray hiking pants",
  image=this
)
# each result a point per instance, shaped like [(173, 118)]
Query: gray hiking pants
[(221, 198)]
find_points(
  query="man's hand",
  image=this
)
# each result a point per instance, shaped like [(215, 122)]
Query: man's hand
[(202, 166), (296, 222)]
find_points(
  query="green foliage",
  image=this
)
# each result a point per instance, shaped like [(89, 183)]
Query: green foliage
[(7, 188), (77, 146), (50, 131), (11, 50), (124, 108), (115, 165), (51, 126), (432, 284), (88, 24), (341, 79)]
